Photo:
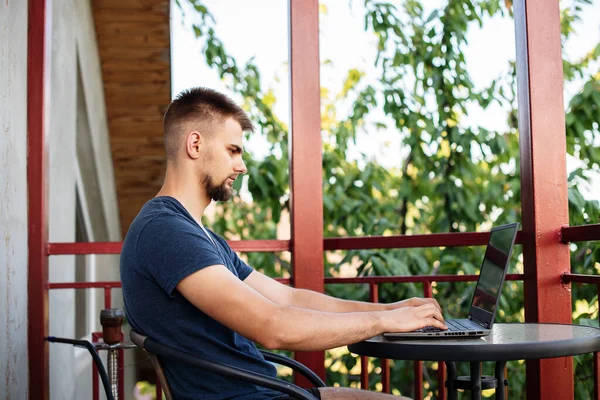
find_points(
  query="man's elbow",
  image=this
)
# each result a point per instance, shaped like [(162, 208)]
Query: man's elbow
[(269, 342), (274, 333)]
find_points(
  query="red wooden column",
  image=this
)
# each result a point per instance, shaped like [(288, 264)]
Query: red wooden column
[(306, 159), (543, 184), (37, 286)]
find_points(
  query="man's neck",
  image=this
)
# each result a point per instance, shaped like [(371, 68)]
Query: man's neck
[(187, 190)]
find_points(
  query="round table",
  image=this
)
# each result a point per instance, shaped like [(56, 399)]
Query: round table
[(515, 341)]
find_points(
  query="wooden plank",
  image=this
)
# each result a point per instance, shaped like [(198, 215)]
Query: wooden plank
[(142, 79), (117, 14), (141, 129), (130, 182), (136, 65), (141, 53), (136, 109), (142, 5), (127, 120), (117, 89), (131, 28), (135, 41), (134, 48), (135, 154), (150, 161)]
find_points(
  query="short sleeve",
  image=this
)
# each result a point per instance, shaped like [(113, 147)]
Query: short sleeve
[(243, 269), (170, 249)]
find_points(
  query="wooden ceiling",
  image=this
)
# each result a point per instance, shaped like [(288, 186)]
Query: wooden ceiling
[(134, 44)]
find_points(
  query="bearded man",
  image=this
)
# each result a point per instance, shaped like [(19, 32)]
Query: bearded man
[(184, 286)]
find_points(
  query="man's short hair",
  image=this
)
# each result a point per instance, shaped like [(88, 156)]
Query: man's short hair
[(204, 107)]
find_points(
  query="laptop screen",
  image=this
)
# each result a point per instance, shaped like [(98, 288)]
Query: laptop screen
[(493, 271)]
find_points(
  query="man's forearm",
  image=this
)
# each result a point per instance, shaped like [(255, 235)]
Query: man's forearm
[(302, 329), (321, 302)]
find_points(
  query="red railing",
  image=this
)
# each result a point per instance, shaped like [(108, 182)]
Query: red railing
[(566, 234), (372, 281), (584, 233)]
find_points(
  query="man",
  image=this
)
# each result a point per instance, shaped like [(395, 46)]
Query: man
[(183, 285)]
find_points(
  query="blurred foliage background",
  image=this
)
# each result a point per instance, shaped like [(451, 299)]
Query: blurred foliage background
[(455, 175)]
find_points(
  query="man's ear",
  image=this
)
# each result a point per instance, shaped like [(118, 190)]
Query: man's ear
[(193, 143)]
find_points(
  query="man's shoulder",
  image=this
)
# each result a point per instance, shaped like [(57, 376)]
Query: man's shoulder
[(159, 213), (156, 222)]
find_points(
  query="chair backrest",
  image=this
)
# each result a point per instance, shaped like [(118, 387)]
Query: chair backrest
[(139, 339)]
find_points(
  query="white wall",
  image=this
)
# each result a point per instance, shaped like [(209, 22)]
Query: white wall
[(77, 125), (96, 185), (93, 91), (13, 200), (72, 38), (61, 190)]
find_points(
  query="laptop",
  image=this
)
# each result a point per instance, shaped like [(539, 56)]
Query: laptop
[(486, 296)]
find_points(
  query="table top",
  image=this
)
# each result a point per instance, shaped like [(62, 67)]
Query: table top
[(514, 341)]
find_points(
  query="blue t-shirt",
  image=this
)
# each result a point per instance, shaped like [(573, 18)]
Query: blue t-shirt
[(165, 244)]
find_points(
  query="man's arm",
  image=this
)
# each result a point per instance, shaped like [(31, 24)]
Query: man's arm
[(286, 295), (222, 296)]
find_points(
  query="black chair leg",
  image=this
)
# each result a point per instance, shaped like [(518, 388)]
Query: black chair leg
[(95, 357)]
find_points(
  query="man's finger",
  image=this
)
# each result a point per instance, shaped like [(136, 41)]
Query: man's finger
[(437, 324)]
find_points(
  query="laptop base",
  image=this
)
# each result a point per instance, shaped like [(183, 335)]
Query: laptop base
[(458, 328)]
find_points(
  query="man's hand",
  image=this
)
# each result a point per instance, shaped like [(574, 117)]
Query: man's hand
[(410, 318), (415, 302)]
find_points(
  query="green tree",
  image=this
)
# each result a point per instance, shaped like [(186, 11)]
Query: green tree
[(454, 176)]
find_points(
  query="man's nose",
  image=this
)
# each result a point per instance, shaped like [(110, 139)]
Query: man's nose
[(240, 167)]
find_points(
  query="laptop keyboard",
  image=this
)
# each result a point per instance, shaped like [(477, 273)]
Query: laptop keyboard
[(453, 326)]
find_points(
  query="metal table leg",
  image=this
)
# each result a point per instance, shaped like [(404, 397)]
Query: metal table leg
[(500, 380), (475, 381), (451, 376)]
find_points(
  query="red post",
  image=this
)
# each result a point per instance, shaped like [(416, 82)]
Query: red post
[(418, 380), (543, 184), (441, 377), (364, 361), (36, 182), (596, 365), (306, 160), (364, 372), (418, 365), (385, 363), (596, 376)]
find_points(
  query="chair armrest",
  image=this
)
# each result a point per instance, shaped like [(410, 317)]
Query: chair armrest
[(295, 365), (226, 370)]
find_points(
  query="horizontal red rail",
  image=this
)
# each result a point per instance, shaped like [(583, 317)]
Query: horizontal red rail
[(364, 279), (567, 234), (341, 243), (581, 278), (415, 278), (248, 246), (409, 241), (84, 285), (581, 233)]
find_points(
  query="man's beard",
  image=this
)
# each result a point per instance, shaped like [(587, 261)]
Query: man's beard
[(220, 192)]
